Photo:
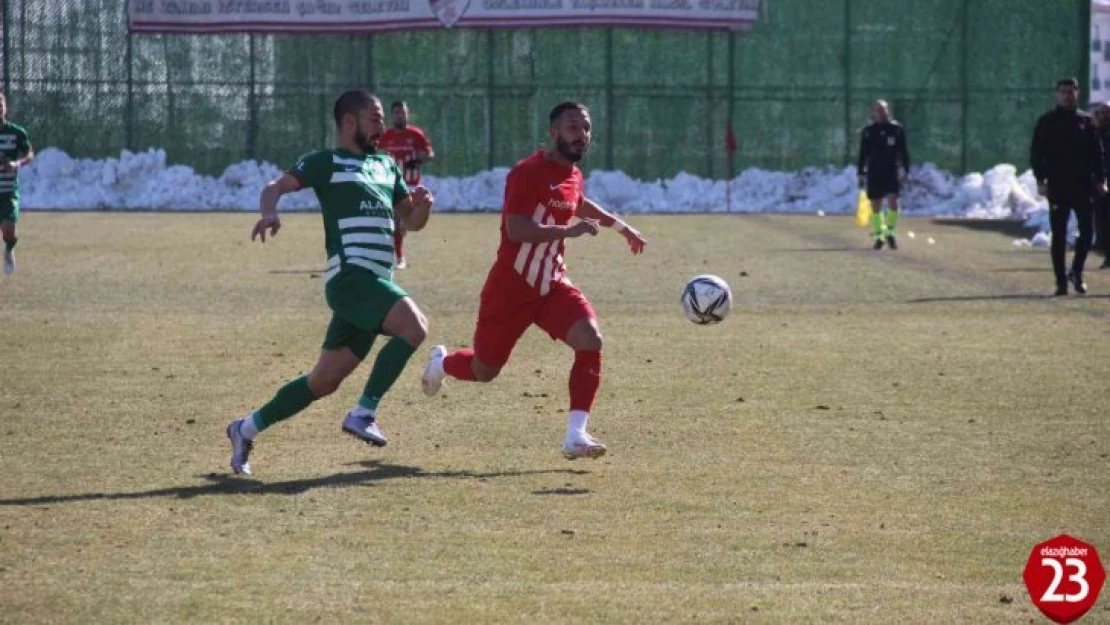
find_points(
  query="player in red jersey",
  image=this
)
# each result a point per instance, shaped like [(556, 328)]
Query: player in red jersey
[(409, 146), (528, 285)]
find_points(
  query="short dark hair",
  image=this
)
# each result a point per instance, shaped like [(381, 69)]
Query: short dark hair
[(563, 107), (1067, 82), (398, 104), (351, 102)]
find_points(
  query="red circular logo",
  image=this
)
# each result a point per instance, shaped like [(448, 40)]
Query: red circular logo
[(1064, 576)]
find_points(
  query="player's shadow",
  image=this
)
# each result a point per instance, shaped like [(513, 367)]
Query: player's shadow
[(793, 250), (995, 298), (224, 484)]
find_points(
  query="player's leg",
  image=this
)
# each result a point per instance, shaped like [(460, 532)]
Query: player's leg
[(1082, 244), (1103, 225), (9, 215), (892, 220), (504, 314), (1058, 220), (399, 246), (345, 346), (378, 305), (567, 315), (876, 195)]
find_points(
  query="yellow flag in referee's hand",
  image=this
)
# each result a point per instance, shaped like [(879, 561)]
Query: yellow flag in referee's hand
[(863, 210)]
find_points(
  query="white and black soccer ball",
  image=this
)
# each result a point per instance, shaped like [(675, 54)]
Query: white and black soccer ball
[(706, 299)]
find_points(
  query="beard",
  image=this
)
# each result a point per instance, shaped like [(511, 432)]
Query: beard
[(569, 151), (365, 142), (400, 125)]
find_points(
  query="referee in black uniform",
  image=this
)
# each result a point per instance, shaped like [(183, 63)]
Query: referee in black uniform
[(1067, 161)]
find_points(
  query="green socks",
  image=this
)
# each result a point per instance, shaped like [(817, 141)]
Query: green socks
[(289, 400), (883, 222), (891, 220), (877, 224), (390, 363)]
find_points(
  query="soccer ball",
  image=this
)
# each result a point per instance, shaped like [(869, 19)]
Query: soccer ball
[(706, 299)]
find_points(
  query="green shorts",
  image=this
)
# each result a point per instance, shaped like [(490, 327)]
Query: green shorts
[(9, 207), (359, 301)]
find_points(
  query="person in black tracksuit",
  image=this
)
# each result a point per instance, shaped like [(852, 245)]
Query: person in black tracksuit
[(882, 153), (1102, 203), (1066, 155)]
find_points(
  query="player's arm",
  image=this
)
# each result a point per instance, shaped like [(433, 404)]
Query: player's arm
[(861, 162), (521, 229), (267, 204), (904, 151), (1094, 154), (26, 152), (588, 209), (410, 208), (520, 204), (414, 209), (424, 151)]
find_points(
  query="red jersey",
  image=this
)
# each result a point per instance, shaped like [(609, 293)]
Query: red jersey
[(548, 193), (403, 145)]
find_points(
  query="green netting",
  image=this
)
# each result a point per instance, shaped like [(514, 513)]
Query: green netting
[(966, 77)]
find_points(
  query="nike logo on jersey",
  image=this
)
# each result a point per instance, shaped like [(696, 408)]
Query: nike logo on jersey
[(555, 186)]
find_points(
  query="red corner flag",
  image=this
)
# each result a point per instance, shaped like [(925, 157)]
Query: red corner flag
[(730, 149)]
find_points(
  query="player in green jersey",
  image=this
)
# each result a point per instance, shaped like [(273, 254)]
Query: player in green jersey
[(15, 152), (362, 194)]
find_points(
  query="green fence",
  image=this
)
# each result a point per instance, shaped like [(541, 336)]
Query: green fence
[(966, 77)]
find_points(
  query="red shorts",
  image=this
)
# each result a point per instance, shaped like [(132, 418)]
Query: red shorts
[(509, 305)]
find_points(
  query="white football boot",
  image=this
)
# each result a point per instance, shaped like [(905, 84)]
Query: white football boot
[(434, 374), (364, 429), (583, 446)]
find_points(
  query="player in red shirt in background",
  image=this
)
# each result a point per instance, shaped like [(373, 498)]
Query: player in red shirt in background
[(409, 146), (528, 284)]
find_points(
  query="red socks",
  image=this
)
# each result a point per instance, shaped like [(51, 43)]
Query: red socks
[(458, 365), (585, 378), (399, 243)]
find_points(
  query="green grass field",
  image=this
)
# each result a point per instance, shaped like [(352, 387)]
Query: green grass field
[(868, 438)]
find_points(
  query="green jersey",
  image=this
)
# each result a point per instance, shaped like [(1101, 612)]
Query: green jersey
[(357, 195), (14, 145)]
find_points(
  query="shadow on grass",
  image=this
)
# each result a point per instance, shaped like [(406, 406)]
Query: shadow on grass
[(1014, 228), (311, 272), (224, 484), (562, 491), (992, 298), (857, 248)]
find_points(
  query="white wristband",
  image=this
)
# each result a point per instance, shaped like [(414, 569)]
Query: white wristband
[(619, 226)]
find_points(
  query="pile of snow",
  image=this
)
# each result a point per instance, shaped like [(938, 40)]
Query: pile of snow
[(145, 181)]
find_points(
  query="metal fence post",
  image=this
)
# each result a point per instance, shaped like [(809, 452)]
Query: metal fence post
[(711, 149), (7, 52), (610, 109), (1085, 48), (252, 103), (965, 91), (490, 101), (129, 122), (730, 165), (847, 52)]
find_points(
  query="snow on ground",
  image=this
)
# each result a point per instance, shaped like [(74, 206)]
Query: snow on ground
[(145, 181)]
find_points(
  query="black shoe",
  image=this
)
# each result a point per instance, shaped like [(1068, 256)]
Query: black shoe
[(878, 244), (1077, 282), (892, 242), (1061, 289)]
